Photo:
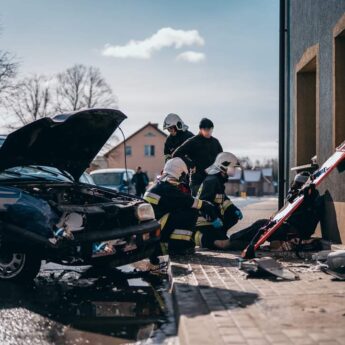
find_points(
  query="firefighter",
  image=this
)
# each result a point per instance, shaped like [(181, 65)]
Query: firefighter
[(176, 209), (178, 134), (202, 150), (213, 235)]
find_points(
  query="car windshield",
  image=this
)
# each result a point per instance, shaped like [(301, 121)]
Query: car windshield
[(108, 179), (2, 141), (35, 172)]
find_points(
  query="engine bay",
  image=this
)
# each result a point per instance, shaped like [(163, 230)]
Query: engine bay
[(60, 194)]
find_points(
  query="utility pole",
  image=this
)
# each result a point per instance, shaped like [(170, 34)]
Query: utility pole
[(281, 169)]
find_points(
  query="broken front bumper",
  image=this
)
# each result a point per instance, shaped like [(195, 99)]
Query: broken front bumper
[(138, 242)]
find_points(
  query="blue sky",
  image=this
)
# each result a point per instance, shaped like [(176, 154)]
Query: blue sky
[(232, 77)]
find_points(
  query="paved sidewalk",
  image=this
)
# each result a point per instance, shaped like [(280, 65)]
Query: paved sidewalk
[(217, 304)]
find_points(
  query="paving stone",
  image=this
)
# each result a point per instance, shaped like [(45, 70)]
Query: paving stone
[(217, 304), (257, 342), (276, 338), (294, 333), (303, 341), (238, 339), (321, 337), (249, 333)]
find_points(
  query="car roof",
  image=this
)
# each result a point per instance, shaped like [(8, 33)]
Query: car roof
[(106, 171)]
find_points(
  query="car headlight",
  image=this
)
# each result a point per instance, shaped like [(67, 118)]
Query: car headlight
[(145, 212)]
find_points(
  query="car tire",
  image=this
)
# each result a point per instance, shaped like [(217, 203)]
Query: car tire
[(18, 267)]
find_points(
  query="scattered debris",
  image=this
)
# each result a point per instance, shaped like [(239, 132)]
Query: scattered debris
[(339, 275), (335, 264), (266, 265)]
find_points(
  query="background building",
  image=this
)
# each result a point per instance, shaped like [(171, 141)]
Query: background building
[(143, 148), (252, 182), (315, 90)]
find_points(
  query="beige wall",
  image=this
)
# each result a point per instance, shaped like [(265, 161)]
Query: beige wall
[(152, 165), (333, 224)]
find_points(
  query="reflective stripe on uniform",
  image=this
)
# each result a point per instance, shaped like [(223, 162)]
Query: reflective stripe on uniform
[(199, 190), (180, 234), (201, 221), (197, 204), (164, 220), (152, 198), (197, 238)]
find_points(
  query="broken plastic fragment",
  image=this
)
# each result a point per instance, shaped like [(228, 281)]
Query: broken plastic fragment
[(103, 248)]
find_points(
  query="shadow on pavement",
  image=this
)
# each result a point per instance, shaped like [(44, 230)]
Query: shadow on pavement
[(329, 221), (192, 301), (205, 258)]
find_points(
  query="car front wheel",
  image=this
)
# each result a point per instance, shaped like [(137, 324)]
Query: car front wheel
[(18, 266)]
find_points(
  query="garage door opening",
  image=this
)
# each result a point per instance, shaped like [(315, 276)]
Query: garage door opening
[(339, 89), (306, 111)]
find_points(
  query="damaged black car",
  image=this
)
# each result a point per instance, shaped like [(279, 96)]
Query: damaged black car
[(46, 213)]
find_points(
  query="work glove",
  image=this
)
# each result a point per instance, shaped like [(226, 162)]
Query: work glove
[(239, 214), (217, 223)]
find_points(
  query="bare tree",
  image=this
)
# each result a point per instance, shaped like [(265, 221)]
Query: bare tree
[(70, 88), (29, 100), (97, 92), (82, 87), (8, 71)]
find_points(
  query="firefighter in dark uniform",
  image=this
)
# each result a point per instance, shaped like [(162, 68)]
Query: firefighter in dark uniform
[(202, 150), (178, 134), (213, 234), (175, 208)]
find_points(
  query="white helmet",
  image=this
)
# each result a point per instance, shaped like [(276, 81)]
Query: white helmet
[(225, 162), (175, 167), (173, 120)]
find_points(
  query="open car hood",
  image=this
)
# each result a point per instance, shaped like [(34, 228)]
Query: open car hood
[(67, 141)]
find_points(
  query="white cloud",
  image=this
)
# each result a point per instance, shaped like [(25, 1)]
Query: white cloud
[(163, 38), (191, 56)]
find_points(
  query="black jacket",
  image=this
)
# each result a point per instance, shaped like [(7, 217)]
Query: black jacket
[(202, 151), (166, 197), (213, 190), (140, 180), (174, 141)]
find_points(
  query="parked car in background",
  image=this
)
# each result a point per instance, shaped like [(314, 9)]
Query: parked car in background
[(118, 179), (86, 178), (46, 213)]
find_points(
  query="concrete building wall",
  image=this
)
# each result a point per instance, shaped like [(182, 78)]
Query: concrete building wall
[(151, 164), (312, 26)]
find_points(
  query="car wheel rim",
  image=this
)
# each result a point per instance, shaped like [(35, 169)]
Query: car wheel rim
[(11, 264)]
